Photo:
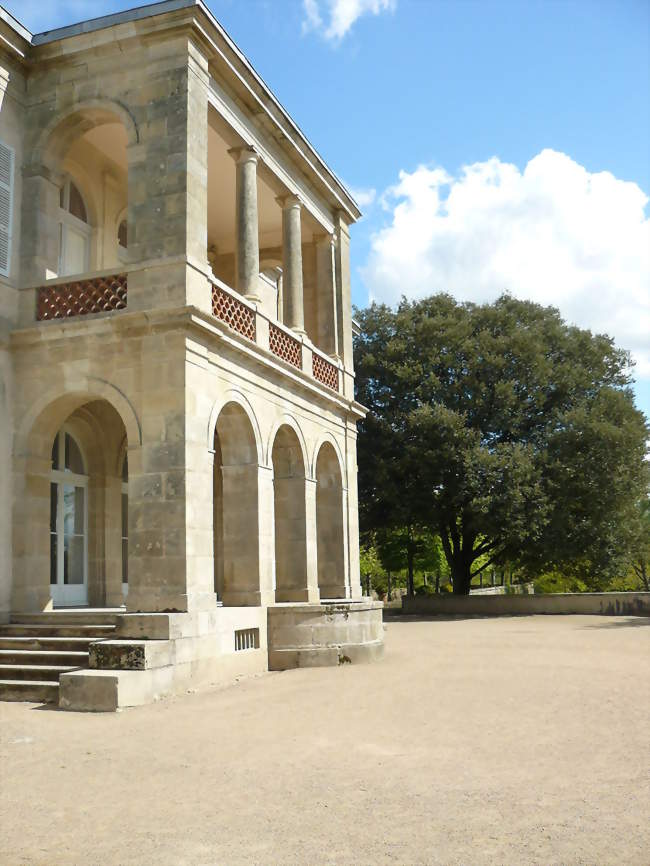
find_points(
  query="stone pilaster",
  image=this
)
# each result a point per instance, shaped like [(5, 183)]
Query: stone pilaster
[(344, 303), (39, 249), (292, 287), (247, 255), (167, 195)]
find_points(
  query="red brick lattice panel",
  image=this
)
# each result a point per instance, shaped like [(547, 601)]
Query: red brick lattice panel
[(236, 315), (98, 295), (325, 372), (285, 346)]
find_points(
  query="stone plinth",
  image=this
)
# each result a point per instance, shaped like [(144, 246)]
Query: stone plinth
[(326, 634)]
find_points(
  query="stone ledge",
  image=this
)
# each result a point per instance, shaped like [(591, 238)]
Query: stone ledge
[(288, 658)]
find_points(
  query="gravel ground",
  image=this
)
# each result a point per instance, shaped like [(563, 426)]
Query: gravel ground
[(521, 740)]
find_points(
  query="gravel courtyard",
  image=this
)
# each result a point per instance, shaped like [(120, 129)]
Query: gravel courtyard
[(505, 741)]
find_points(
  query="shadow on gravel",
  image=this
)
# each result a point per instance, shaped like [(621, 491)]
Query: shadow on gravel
[(398, 616), (632, 622)]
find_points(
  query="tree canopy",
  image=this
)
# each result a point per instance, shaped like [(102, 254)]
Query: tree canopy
[(509, 433)]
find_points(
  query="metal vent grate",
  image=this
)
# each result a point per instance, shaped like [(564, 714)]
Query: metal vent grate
[(247, 638)]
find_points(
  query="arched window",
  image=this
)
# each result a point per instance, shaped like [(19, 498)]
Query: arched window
[(74, 237), (122, 236), (125, 525), (68, 522)]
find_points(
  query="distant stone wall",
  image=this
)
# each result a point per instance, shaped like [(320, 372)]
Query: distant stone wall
[(606, 603), (514, 589)]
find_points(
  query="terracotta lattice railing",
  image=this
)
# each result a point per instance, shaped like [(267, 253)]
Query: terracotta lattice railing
[(234, 313), (285, 346), (81, 297), (325, 372)]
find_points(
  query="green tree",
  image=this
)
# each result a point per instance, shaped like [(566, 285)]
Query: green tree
[(640, 543), (502, 429), (408, 548)]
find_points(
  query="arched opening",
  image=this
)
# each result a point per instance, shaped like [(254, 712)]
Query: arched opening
[(81, 193), (236, 517), (330, 537), (291, 580), (69, 508), (68, 522)]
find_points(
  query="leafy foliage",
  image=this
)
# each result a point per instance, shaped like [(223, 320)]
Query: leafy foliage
[(508, 433)]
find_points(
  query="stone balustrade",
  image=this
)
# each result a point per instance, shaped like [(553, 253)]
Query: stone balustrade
[(65, 299), (245, 317), (105, 293)]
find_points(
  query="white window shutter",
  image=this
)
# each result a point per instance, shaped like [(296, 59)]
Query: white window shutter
[(6, 202)]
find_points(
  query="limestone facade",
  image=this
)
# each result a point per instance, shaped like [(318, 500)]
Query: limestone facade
[(177, 413)]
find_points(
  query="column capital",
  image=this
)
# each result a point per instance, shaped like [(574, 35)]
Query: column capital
[(244, 153), (288, 201), (324, 238)]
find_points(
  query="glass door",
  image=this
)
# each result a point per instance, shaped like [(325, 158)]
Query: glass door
[(68, 523)]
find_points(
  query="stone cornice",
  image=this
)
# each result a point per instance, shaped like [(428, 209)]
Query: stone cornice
[(186, 318)]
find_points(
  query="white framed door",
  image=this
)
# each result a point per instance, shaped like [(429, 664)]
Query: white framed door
[(68, 523), (75, 233), (125, 526)]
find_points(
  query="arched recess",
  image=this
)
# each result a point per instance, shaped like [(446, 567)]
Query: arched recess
[(330, 524), (289, 480), (89, 144), (236, 507), (56, 137), (51, 507)]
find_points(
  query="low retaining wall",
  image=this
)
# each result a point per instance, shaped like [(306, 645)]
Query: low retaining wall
[(606, 603), (331, 633)]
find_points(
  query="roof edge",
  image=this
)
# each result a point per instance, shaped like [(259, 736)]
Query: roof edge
[(136, 14), (15, 25)]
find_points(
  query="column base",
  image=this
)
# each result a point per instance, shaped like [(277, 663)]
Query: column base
[(31, 600), (310, 595), (334, 591), (250, 598), (168, 602)]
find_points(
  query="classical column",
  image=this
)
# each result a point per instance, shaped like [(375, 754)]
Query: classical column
[(293, 312), (247, 256), (327, 336)]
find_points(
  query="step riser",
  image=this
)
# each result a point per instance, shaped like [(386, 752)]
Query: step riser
[(9, 657), (46, 644), (37, 693), (42, 674), (93, 633), (69, 616)]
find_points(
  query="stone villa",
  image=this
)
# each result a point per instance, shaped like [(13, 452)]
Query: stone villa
[(177, 413)]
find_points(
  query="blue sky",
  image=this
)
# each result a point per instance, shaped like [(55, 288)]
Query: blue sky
[(493, 144)]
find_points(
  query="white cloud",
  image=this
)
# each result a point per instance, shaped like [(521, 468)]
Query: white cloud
[(364, 196), (554, 233), (338, 16)]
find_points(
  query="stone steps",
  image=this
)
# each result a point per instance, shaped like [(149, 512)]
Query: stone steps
[(57, 644), (70, 616), (36, 648), (36, 691), (44, 673), (69, 658), (94, 632)]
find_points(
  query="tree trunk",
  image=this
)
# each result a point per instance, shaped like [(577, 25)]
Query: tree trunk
[(388, 596), (462, 578), (411, 584)]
